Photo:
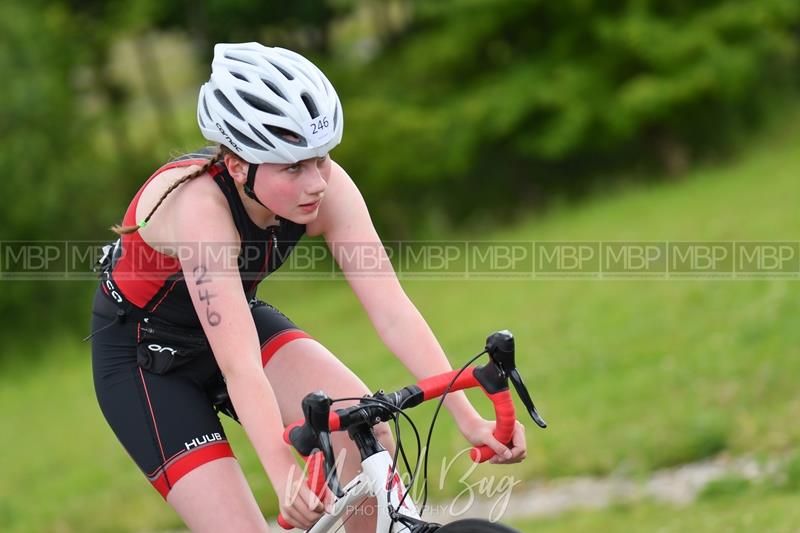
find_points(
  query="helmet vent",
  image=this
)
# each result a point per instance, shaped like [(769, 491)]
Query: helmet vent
[(282, 71), (238, 76), (274, 89), (222, 99), (335, 116), (310, 105), (242, 138), (240, 59), (261, 136), (287, 135), (260, 104), (205, 105)]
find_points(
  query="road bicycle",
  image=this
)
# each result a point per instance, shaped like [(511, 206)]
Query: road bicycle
[(396, 512)]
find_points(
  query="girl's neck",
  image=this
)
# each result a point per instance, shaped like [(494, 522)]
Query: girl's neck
[(260, 215)]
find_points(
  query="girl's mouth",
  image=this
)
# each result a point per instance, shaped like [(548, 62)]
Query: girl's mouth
[(311, 206)]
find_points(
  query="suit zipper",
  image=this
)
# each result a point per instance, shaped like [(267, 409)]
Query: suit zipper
[(273, 243)]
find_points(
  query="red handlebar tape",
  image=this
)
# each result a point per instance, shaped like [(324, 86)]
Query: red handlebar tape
[(432, 387)]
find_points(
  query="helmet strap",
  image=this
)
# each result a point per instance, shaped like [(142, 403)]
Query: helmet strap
[(252, 168)]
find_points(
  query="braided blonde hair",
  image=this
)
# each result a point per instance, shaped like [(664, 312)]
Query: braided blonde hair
[(216, 158)]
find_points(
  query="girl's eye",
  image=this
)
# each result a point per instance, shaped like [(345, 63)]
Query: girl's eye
[(294, 168)]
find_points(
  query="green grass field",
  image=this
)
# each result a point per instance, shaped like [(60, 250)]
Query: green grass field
[(725, 506), (631, 375), (776, 513)]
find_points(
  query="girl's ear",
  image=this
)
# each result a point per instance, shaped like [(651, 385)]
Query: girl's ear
[(237, 168)]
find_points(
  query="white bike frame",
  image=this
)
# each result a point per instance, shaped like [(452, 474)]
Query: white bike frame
[(373, 480)]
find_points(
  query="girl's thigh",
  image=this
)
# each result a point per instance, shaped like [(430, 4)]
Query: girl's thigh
[(215, 497), (296, 364)]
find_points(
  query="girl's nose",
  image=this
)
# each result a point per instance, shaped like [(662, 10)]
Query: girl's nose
[(318, 184)]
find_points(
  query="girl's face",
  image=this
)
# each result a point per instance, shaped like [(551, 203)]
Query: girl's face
[(294, 192)]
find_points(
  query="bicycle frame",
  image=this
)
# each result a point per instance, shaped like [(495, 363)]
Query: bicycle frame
[(310, 436), (372, 481)]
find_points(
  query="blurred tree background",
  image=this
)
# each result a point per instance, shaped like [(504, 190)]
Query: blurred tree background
[(458, 113)]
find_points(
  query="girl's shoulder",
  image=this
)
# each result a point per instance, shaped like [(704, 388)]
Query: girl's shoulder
[(198, 201)]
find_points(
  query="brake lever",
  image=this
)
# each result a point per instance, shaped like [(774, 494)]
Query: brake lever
[(330, 464), (317, 407), (516, 379), (500, 346)]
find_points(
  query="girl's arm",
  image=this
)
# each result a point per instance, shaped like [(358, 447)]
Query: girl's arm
[(347, 227), (208, 250)]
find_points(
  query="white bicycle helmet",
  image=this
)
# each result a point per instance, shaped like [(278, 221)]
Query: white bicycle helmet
[(257, 95)]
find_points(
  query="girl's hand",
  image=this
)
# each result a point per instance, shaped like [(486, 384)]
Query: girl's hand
[(479, 431), (299, 505)]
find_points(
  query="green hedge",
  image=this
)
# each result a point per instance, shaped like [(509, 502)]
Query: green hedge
[(519, 100)]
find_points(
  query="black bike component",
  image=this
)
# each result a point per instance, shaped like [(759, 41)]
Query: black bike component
[(399, 448), (475, 525), (414, 524), (410, 396), (380, 407), (369, 414), (500, 346), (316, 406), (362, 436), (516, 379), (315, 434), (365, 414), (305, 438), (330, 464), (491, 378)]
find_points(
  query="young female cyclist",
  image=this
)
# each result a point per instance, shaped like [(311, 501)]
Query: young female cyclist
[(176, 308)]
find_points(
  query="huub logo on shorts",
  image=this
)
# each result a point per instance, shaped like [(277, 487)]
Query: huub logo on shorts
[(205, 439)]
